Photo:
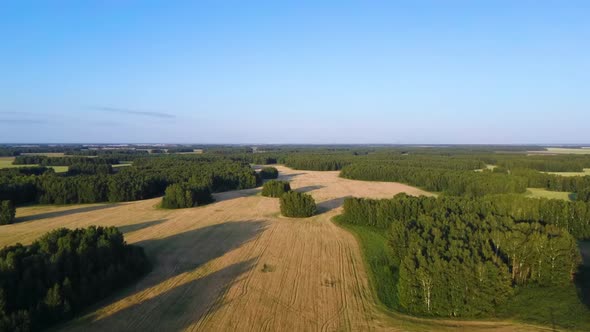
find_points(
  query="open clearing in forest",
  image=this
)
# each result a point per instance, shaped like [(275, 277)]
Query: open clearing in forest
[(544, 193), (237, 265), (121, 165), (6, 162), (586, 172)]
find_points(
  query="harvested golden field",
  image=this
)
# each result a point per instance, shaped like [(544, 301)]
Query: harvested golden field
[(237, 265)]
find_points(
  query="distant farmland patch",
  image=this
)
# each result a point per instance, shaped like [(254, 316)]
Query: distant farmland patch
[(562, 151), (6, 162), (586, 172)]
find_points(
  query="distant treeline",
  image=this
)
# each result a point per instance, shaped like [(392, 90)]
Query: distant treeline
[(62, 161), (460, 257), (107, 152), (557, 163), (317, 162), (62, 273)]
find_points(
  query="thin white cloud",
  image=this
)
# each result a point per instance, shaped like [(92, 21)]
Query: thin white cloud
[(132, 112)]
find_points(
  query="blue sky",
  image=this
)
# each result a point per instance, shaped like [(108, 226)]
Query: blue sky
[(295, 72)]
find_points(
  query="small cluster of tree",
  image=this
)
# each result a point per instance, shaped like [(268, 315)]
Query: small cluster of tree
[(178, 196), (62, 273), (269, 173), (451, 182), (7, 212), (463, 257), (297, 205), (275, 188)]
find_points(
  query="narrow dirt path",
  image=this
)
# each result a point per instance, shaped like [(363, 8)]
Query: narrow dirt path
[(237, 265)]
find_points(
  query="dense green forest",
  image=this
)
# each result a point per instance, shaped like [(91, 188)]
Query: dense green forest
[(275, 188), (573, 217), (465, 257), (62, 273), (148, 177)]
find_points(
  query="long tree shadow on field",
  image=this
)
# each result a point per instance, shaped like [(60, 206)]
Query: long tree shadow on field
[(227, 195), (288, 177), (139, 226), (330, 204), (177, 308), (308, 188), (64, 213), (179, 253), (186, 251)]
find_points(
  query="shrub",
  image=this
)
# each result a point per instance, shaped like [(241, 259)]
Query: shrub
[(274, 188), (269, 173), (7, 212), (297, 205), (180, 196)]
